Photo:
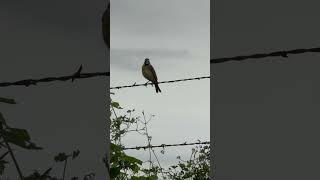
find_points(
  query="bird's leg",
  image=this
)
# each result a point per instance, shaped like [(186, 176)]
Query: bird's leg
[(146, 83)]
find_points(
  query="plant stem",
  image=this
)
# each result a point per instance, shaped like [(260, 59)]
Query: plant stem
[(10, 151), (4, 155), (64, 169), (149, 143), (13, 158)]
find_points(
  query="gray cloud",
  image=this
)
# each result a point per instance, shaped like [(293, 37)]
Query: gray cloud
[(167, 17)]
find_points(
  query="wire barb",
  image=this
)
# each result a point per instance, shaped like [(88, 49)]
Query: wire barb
[(165, 145), (77, 75)]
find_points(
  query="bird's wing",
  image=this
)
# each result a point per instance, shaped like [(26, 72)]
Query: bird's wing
[(153, 73)]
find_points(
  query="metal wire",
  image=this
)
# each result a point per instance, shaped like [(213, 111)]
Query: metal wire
[(165, 145), (261, 55), (172, 81)]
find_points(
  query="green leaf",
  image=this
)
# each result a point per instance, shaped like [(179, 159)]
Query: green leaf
[(153, 177), (7, 100), (132, 160), (115, 147), (19, 137), (18, 134), (75, 154), (60, 157), (114, 172), (116, 105)]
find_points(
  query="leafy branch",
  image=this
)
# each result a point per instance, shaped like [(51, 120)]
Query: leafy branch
[(123, 166)]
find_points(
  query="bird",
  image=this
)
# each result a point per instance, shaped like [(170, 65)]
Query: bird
[(150, 74)]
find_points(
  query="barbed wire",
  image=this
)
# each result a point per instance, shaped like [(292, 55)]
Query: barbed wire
[(264, 55), (79, 75), (172, 81), (76, 75), (165, 145)]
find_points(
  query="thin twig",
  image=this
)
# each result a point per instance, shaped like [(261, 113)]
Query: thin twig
[(157, 161), (64, 169), (148, 139)]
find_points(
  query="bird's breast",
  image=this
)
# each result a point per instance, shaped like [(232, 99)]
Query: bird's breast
[(146, 72)]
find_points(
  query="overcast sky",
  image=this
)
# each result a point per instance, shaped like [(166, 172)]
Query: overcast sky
[(52, 38), (174, 34)]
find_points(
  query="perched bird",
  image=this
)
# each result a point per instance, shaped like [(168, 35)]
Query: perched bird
[(150, 74)]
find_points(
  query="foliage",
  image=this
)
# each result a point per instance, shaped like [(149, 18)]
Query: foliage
[(61, 157), (21, 138), (127, 167), (121, 161), (121, 164), (15, 136), (37, 176), (197, 167)]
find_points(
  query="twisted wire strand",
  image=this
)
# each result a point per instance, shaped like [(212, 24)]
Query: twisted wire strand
[(165, 145), (264, 55), (79, 75), (162, 82)]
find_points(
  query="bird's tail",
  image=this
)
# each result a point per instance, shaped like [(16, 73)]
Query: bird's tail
[(157, 87)]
